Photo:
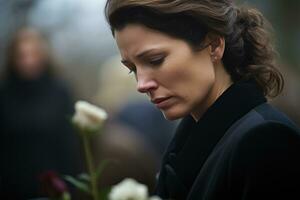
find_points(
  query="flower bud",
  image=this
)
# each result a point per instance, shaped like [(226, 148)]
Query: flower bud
[(88, 117), (129, 189)]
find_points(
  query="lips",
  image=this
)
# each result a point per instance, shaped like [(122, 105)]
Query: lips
[(161, 102)]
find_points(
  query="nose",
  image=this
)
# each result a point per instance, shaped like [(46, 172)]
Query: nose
[(145, 86)]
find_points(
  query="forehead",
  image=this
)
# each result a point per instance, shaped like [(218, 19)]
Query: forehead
[(134, 38)]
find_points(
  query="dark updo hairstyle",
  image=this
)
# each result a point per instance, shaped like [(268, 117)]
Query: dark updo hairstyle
[(249, 52)]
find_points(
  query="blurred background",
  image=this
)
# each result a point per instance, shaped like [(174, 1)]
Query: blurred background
[(67, 54)]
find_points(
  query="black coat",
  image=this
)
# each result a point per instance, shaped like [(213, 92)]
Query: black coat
[(242, 148), (35, 135)]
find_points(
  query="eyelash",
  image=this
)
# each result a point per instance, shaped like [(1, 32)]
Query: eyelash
[(155, 62), (130, 71)]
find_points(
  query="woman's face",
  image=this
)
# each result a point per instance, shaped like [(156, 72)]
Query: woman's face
[(176, 79), (30, 58)]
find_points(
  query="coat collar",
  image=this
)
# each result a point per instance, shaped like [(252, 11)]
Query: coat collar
[(194, 141)]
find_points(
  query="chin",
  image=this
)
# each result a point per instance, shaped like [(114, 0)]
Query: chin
[(172, 114)]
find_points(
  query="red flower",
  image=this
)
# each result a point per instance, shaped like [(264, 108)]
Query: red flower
[(52, 185)]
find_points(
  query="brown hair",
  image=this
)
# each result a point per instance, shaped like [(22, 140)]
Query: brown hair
[(249, 52)]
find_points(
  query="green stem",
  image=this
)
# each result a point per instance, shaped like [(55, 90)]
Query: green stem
[(90, 165)]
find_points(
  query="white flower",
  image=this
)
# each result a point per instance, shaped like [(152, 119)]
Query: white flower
[(155, 198), (129, 189), (88, 116)]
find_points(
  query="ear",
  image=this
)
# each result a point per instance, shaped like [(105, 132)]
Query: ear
[(217, 46)]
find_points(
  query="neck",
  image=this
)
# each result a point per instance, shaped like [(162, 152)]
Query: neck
[(222, 82)]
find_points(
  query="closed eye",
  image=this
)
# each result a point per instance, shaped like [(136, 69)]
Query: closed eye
[(130, 66), (156, 61), (131, 70)]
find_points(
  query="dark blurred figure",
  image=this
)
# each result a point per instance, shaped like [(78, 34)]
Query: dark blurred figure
[(129, 155), (136, 138), (35, 134), (146, 119)]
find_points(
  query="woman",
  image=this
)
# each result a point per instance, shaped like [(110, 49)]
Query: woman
[(212, 64), (35, 135)]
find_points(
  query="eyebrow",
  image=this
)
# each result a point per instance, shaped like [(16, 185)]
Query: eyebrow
[(142, 54), (139, 55)]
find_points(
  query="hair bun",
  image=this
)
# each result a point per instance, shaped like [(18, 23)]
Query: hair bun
[(248, 18)]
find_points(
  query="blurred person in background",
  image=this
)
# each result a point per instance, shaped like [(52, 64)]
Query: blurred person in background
[(35, 133)]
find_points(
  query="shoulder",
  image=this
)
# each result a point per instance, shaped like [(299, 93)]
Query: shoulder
[(58, 83), (264, 137), (268, 149), (265, 161), (3, 85), (265, 130), (263, 121), (59, 86), (269, 135)]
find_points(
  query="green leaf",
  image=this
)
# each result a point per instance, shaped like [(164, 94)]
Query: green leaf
[(102, 166), (66, 196), (78, 184), (84, 177), (103, 193)]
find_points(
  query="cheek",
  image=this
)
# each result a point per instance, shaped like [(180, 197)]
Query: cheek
[(190, 80), (174, 73), (188, 77), (201, 83)]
